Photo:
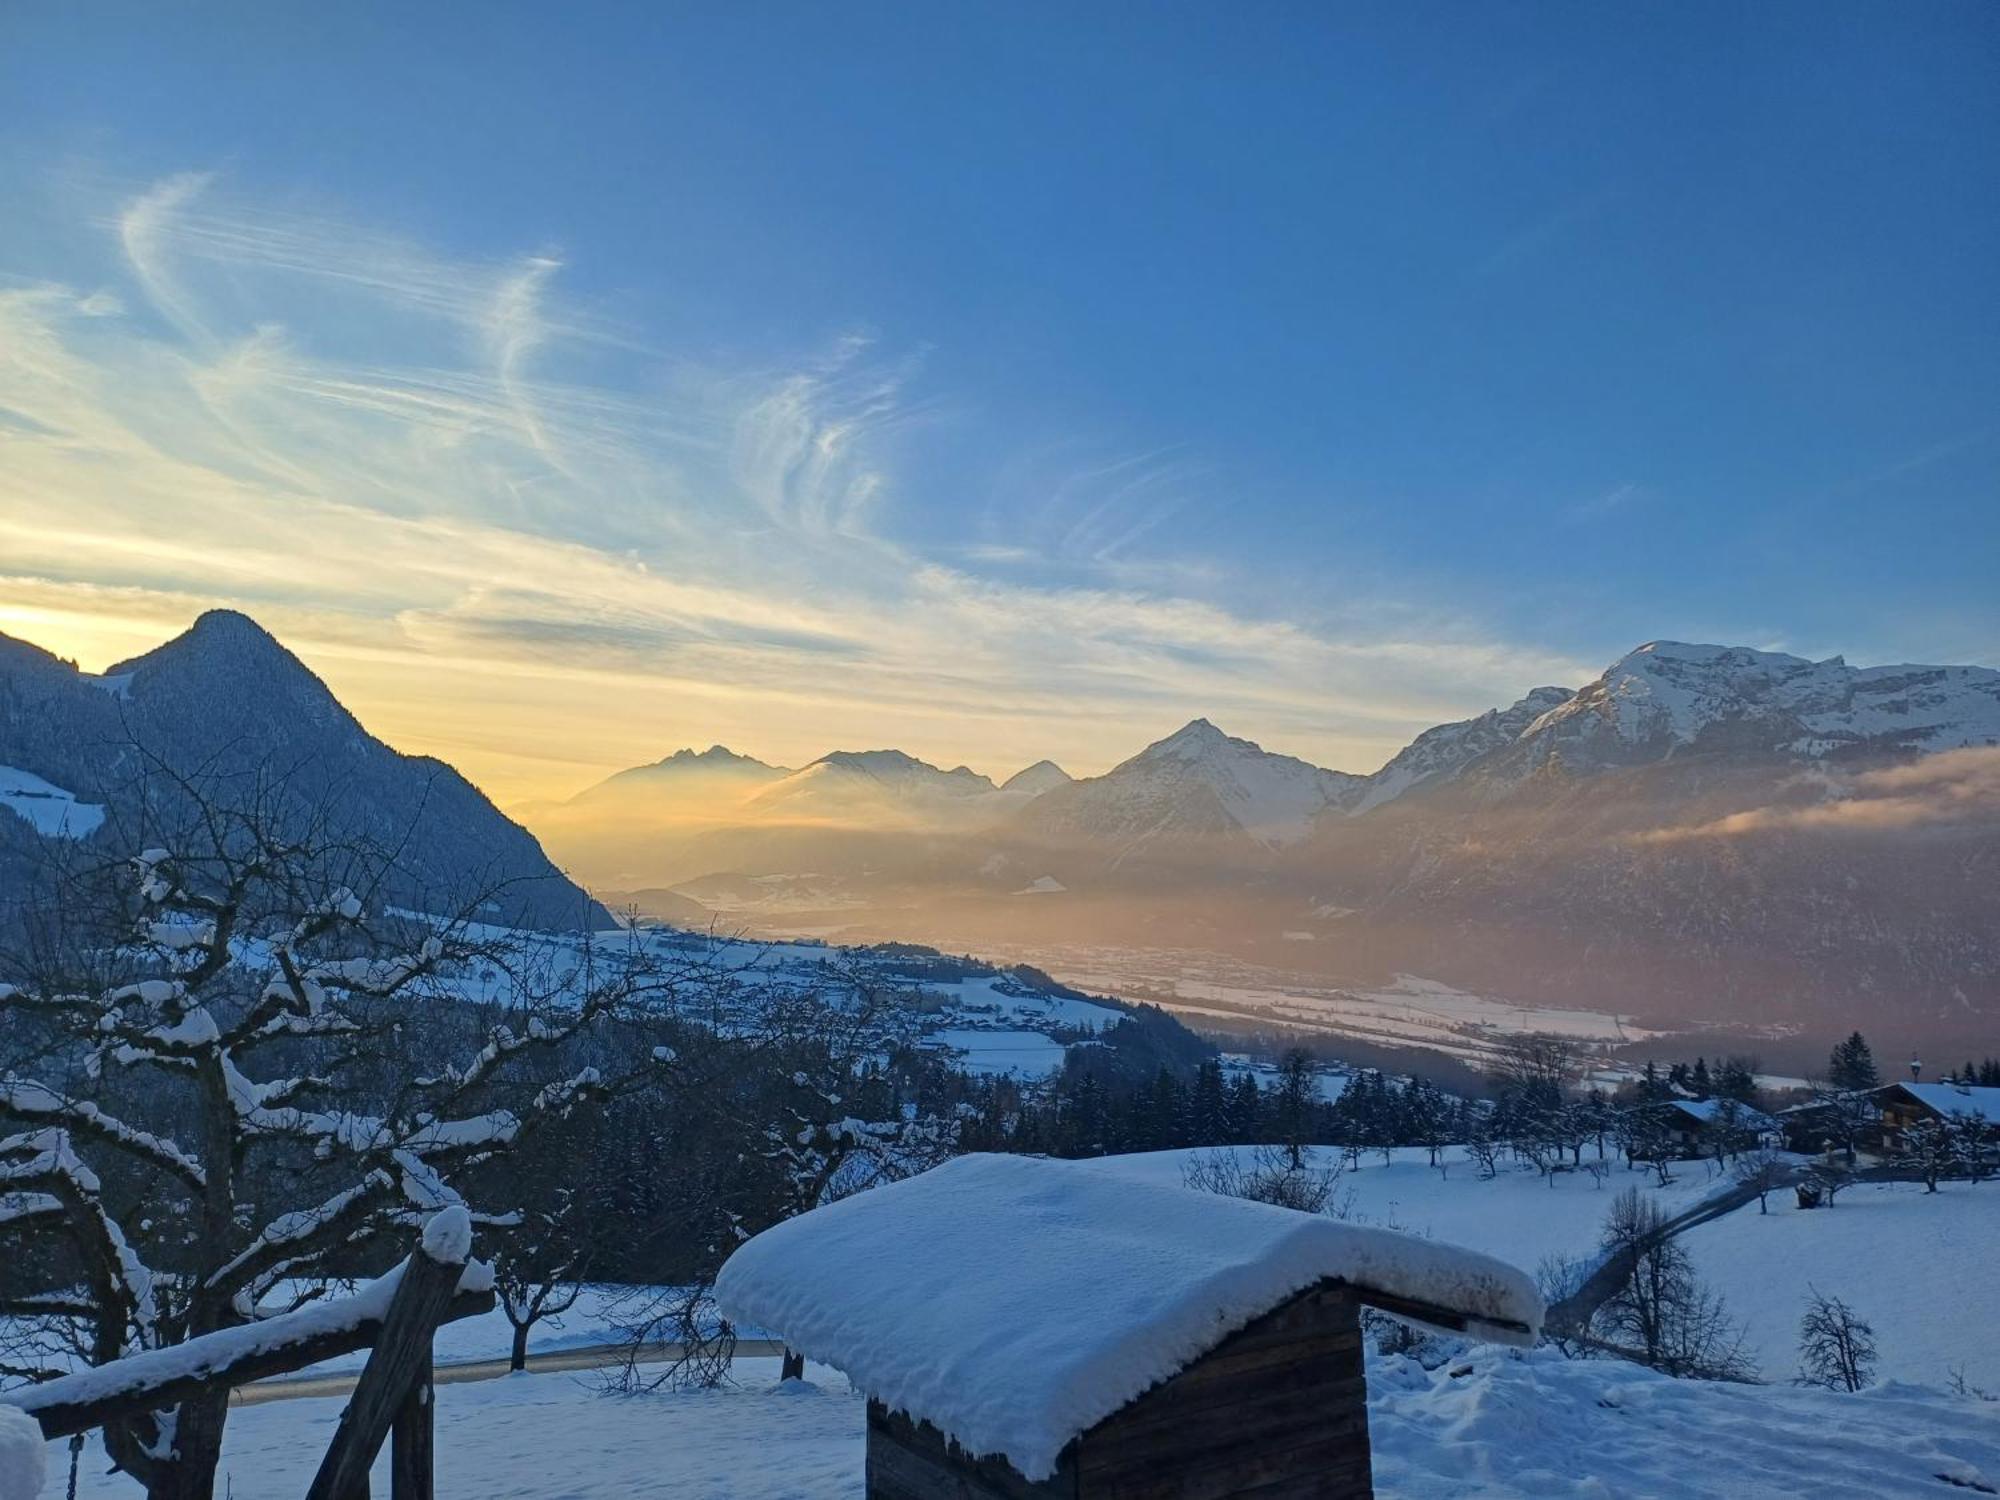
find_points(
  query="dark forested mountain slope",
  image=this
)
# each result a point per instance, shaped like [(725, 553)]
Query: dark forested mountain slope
[(229, 709)]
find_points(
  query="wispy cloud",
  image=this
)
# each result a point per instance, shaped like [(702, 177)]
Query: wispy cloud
[(1606, 502), (1950, 787), (509, 533)]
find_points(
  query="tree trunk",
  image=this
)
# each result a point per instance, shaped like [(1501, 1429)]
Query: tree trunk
[(517, 1359), (190, 1473), (412, 1472), (794, 1367)]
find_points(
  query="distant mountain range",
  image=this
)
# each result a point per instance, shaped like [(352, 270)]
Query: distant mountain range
[(1705, 836), (1710, 834), (226, 707)]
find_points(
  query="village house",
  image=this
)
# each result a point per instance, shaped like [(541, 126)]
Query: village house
[(1702, 1127), (1027, 1329), (1904, 1105)]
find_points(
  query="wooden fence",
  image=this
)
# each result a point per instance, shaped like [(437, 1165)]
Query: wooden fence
[(392, 1399)]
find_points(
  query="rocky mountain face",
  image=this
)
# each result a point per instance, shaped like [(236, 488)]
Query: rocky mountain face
[(1668, 699), (227, 707), (1199, 793), (1712, 834), (1437, 755)]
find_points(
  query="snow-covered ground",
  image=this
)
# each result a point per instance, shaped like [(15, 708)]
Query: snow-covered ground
[(1410, 1012), (600, 1315), (1922, 1268), (53, 812), (996, 1021), (1025, 1054), (1518, 1216), (1491, 1426)]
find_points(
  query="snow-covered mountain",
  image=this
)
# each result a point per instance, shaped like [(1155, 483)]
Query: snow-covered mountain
[(224, 703), (1196, 785), (1441, 753), (1669, 698), (1042, 776), (856, 785), (683, 772)]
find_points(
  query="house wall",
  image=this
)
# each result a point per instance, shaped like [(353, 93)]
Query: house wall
[(1278, 1410)]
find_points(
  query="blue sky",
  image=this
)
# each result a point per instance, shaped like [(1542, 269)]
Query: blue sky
[(997, 380)]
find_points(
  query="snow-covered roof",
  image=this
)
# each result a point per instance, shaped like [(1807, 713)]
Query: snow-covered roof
[(1749, 1117), (1015, 1303), (1956, 1099)]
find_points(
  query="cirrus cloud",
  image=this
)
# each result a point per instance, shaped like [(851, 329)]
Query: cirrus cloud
[(509, 532)]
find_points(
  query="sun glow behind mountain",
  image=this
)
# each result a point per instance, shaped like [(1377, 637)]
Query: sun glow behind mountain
[(510, 536)]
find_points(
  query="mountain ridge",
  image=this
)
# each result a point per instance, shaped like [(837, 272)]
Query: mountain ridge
[(224, 703)]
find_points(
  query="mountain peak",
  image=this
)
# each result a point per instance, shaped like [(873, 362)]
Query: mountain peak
[(1193, 739), (900, 767), (217, 635), (1042, 776), (714, 755)]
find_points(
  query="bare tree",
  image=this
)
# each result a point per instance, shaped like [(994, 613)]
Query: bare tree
[(1836, 1346), (1825, 1180), (1661, 1313), (1933, 1150), (1763, 1171), (544, 1261), (238, 1071), (1484, 1150), (1649, 1139), (1269, 1176)]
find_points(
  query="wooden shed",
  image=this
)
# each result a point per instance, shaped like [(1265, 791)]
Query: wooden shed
[(1028, 1328)]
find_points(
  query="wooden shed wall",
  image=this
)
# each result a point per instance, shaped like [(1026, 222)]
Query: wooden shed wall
[(1276, 1411)]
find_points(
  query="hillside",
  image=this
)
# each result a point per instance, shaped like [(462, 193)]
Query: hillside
[(226, 708)]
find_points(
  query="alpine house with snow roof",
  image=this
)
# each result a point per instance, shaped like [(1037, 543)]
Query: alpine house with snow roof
[(1026, 1329)]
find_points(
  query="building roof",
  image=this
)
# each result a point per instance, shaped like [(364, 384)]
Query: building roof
[(1704, 1110), (1954, 1098), (1014, 1302)]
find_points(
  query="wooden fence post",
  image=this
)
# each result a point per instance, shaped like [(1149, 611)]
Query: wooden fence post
[(402, 1356), (411, 1441)]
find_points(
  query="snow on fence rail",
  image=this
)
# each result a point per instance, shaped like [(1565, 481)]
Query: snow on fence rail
[(396, 1315)]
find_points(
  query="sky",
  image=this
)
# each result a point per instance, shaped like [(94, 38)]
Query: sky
[(568, 384)]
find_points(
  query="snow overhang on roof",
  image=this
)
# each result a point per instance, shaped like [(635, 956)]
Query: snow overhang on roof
[(1014, 1302), (1953, 1098)]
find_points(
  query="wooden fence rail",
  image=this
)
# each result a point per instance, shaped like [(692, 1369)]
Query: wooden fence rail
[(395, 1319)]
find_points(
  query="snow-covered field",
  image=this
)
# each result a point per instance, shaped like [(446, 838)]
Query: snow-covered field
[(1922, 1268), (1410, 1012), (1491, 1426), (1517, 1216), (53, 812), (598, 1317)]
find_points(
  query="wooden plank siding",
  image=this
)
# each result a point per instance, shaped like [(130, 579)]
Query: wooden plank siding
[(1276, 1411)]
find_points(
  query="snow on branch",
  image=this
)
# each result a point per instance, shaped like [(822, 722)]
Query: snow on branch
[(26, 1100)]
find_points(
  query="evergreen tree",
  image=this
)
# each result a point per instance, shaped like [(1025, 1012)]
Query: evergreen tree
[(1852, 1065), (1699, 1083), (1245, 1110), (1652, 1088), (1736, 1078), (1208, 1107)]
